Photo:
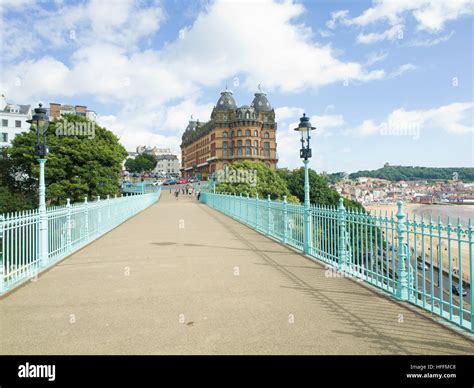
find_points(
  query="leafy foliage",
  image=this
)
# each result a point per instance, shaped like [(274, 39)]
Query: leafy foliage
[(319, 191), (141, 163), (77, 166), (268, 182)]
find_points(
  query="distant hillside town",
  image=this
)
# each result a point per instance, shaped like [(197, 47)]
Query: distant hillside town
[(366, 191)]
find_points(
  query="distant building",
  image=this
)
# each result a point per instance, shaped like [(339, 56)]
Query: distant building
[(232, 134), (427, 199), (12, 120), (153, 151), (167, 165), (167, 162), (57, 110)]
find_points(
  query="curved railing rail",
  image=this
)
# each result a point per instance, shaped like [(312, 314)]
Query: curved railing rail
[(420, 261), (70, 227)]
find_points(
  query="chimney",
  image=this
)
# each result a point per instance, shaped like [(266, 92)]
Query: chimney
[(54, 110), (3, 102)]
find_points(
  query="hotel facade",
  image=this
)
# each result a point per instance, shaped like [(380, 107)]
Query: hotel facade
[(232, 134)]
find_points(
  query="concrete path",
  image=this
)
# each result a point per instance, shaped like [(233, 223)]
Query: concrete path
[(181, 278)]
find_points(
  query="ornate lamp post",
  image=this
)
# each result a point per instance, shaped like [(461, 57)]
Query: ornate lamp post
[(305, 128), (40, 122)]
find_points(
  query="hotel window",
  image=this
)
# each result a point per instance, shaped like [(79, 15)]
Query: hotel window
[(4, 123), (266, 151), (255, 150), (255, 133), (239, 148), (248, 148), (18, 123), (232, 134), (224, 151), (4, 137), (266, 135), (247, 132), (225, 134), (239, 133)]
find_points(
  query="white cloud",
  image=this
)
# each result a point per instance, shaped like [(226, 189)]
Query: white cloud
[(433, 15), (325, 122), (230, 36), (373, 37), (257, 41), (289, 141), (287, 112), (430, 16), (118, 22), (177, 116), (431, 42), (455, 118), (375, 57), (401, 69), (335, 17)]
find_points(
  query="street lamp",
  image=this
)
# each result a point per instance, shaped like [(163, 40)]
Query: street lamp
[(40, 122), (305, 129)]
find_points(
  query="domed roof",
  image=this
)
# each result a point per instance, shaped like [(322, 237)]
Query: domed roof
[(226, 101), (246, 112), (245, 107), (261, 103), (191, 127)]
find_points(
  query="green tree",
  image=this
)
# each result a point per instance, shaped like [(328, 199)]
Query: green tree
[(141, 163), (319, 191), (268, 182), (76, 165)]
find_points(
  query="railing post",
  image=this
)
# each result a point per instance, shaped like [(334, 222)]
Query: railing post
[(471, 271), (256, 212), (402, 283), (43, 219), (108, 210), (99, 214), (240, 207), (342, 254), (285, 220), (268, 213), (68, 224), (86, 222), (247, 201), (2, 247)]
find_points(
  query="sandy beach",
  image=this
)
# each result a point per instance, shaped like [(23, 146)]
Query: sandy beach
[(463, 212)]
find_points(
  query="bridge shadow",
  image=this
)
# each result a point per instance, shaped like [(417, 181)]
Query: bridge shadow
[(363, 319), (179, 244)]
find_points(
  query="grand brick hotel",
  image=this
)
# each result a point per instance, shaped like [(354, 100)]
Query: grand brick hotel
[(232, 133)]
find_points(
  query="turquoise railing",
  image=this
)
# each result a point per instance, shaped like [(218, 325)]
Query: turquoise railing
[(420, 261), (70, 227), (139, 188)]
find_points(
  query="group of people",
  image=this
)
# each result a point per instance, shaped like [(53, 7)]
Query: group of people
[(190, 190)]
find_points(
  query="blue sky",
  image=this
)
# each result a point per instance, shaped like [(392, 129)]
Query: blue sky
[(383, 81)]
